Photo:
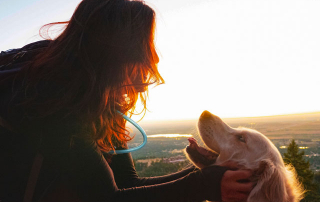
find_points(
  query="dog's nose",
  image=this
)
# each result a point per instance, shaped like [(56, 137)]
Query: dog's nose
[(205, 114)]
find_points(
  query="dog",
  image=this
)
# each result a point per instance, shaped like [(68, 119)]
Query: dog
[(249, 149)]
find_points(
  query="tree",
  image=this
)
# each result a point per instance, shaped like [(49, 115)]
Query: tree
[(317, 180), (295, 157)]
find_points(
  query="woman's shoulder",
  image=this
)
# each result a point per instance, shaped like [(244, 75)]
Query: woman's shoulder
[(37, 44), (30, 46), (18, 55)]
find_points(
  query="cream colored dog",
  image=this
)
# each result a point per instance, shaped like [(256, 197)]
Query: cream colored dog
[(275, 182)]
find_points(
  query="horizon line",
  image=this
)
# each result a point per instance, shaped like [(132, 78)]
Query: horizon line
[(240, 117)]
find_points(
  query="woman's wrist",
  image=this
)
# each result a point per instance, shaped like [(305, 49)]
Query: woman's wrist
[(212, 177)]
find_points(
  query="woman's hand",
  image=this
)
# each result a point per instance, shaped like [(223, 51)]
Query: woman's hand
[(234, 191), (235, 184)]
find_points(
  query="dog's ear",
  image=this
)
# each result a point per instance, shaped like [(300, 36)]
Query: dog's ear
[(271, 184)]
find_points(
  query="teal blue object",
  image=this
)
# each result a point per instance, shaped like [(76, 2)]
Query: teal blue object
[(143, 133)]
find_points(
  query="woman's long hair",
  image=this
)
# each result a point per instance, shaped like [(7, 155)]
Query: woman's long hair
[(103, 61)]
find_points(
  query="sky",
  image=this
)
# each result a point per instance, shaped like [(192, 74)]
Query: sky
[(235, 58)]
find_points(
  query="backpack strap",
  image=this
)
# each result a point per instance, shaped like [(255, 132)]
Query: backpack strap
[(33, 177)]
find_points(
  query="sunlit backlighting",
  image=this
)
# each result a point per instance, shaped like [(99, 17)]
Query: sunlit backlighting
[(303, 147), (283, 147), (170, 135), (220, 29)]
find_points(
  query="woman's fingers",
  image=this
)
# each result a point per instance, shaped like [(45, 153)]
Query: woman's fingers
[(241, 174), (242, 187), (234, 191)]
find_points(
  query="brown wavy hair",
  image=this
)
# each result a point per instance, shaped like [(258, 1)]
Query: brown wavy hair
[(103, 61)]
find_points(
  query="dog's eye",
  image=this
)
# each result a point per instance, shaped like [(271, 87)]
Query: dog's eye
[(241, 138)]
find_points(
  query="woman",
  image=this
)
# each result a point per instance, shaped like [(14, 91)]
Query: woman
[(59, 112)]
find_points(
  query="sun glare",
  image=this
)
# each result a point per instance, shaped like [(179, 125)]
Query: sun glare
[(237, 59), (233, 58)]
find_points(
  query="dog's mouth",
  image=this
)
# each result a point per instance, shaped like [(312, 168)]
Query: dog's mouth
[(200, 154)]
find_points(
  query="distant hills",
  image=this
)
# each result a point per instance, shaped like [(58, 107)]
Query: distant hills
[(300, 126)]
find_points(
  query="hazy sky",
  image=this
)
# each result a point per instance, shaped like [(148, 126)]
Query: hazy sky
[(231, 57)]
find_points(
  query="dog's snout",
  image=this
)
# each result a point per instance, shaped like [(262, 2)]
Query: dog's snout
[(205, 114)]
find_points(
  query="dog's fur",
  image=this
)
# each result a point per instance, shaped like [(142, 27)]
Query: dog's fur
[(275, 181)]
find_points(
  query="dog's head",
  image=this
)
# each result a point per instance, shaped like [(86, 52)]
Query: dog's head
[(251, 150), (242, 145)]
